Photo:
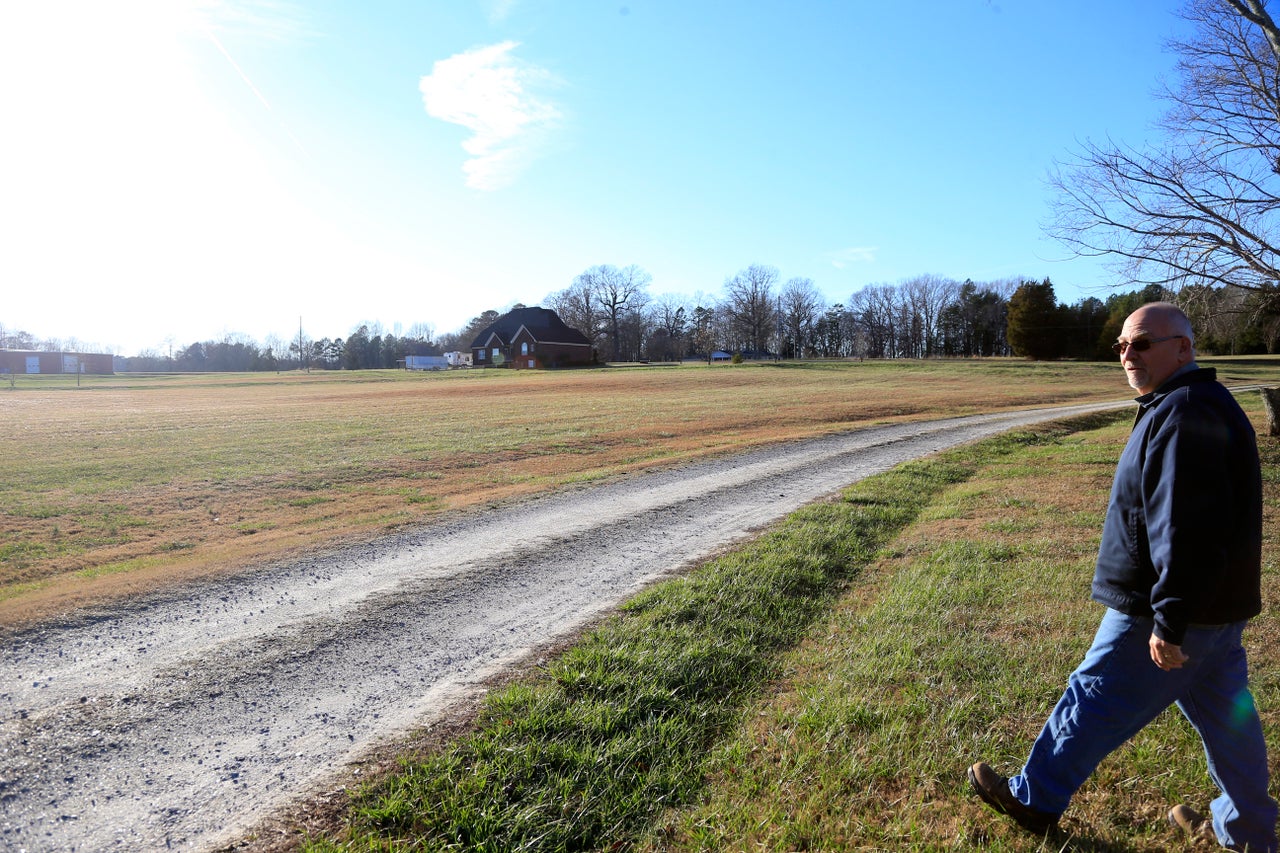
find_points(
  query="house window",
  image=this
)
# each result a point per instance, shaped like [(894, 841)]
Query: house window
[(479, 355), (531, 363), (524, 348), (496, 352)]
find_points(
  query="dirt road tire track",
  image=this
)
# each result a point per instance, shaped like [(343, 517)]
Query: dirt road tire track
[(181, 719)]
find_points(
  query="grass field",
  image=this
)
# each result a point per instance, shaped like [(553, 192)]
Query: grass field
[(875, 647), (109, 485)]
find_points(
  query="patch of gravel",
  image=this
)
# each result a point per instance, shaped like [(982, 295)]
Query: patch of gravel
[(185, 718)]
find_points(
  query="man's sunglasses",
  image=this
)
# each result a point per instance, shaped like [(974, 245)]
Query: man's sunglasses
[(1141, 344)]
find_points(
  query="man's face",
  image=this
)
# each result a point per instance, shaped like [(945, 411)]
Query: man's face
[(1149, 369)]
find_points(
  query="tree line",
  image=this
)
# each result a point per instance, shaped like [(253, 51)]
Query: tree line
[(757, 315), (760, 316)]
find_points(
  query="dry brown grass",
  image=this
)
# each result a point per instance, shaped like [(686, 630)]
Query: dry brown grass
[(122, 483)]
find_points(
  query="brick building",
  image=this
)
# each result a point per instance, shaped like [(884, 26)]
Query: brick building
[(531, 338), (32, 362)]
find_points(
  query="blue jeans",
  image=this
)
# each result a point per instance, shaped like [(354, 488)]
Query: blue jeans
[(1117, 690)]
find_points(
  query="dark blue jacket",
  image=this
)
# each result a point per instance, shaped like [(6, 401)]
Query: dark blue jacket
[(1182, 541)]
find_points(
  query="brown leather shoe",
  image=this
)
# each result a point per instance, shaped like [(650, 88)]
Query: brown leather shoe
[(1187, 819), (1194, 824), (994, 791)]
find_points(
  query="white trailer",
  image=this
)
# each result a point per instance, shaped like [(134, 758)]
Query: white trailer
[(425, 362)]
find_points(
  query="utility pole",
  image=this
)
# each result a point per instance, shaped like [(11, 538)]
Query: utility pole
[(301, 357)]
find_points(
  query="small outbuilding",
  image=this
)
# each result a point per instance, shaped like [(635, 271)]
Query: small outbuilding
[(531, 338)]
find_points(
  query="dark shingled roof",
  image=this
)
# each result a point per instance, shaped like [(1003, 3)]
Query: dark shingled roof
[(543, 323)]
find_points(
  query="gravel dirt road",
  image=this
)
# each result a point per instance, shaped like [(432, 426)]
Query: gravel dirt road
[(182, 719)]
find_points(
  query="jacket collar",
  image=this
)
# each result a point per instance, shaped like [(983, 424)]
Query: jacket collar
[(1189, 375)]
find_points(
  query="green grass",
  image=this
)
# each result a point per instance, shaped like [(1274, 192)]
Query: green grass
[(689, 722), (954, 649)]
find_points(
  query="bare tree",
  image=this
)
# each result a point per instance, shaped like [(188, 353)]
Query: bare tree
[(669, 317), (422, 332), (800, 306), (751, 307), (878, 311), (633, 334), (576, 306), (620, 292), (928, 296), (20, 339), (1205, 206), (606, 296)]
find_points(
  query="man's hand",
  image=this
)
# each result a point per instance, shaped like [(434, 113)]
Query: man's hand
[(1166, 655)]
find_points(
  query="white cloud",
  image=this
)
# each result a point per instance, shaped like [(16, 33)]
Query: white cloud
[(488, 91), (842, 258)]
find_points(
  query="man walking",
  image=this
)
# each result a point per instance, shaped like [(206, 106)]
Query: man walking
[(1179, 571)]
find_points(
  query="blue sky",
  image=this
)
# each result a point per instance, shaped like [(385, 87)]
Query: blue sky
[(181, 170)]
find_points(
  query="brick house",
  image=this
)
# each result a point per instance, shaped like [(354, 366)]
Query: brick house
[(531, 338)]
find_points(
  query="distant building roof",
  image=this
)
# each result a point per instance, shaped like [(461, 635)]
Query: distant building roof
[(543, 323)]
